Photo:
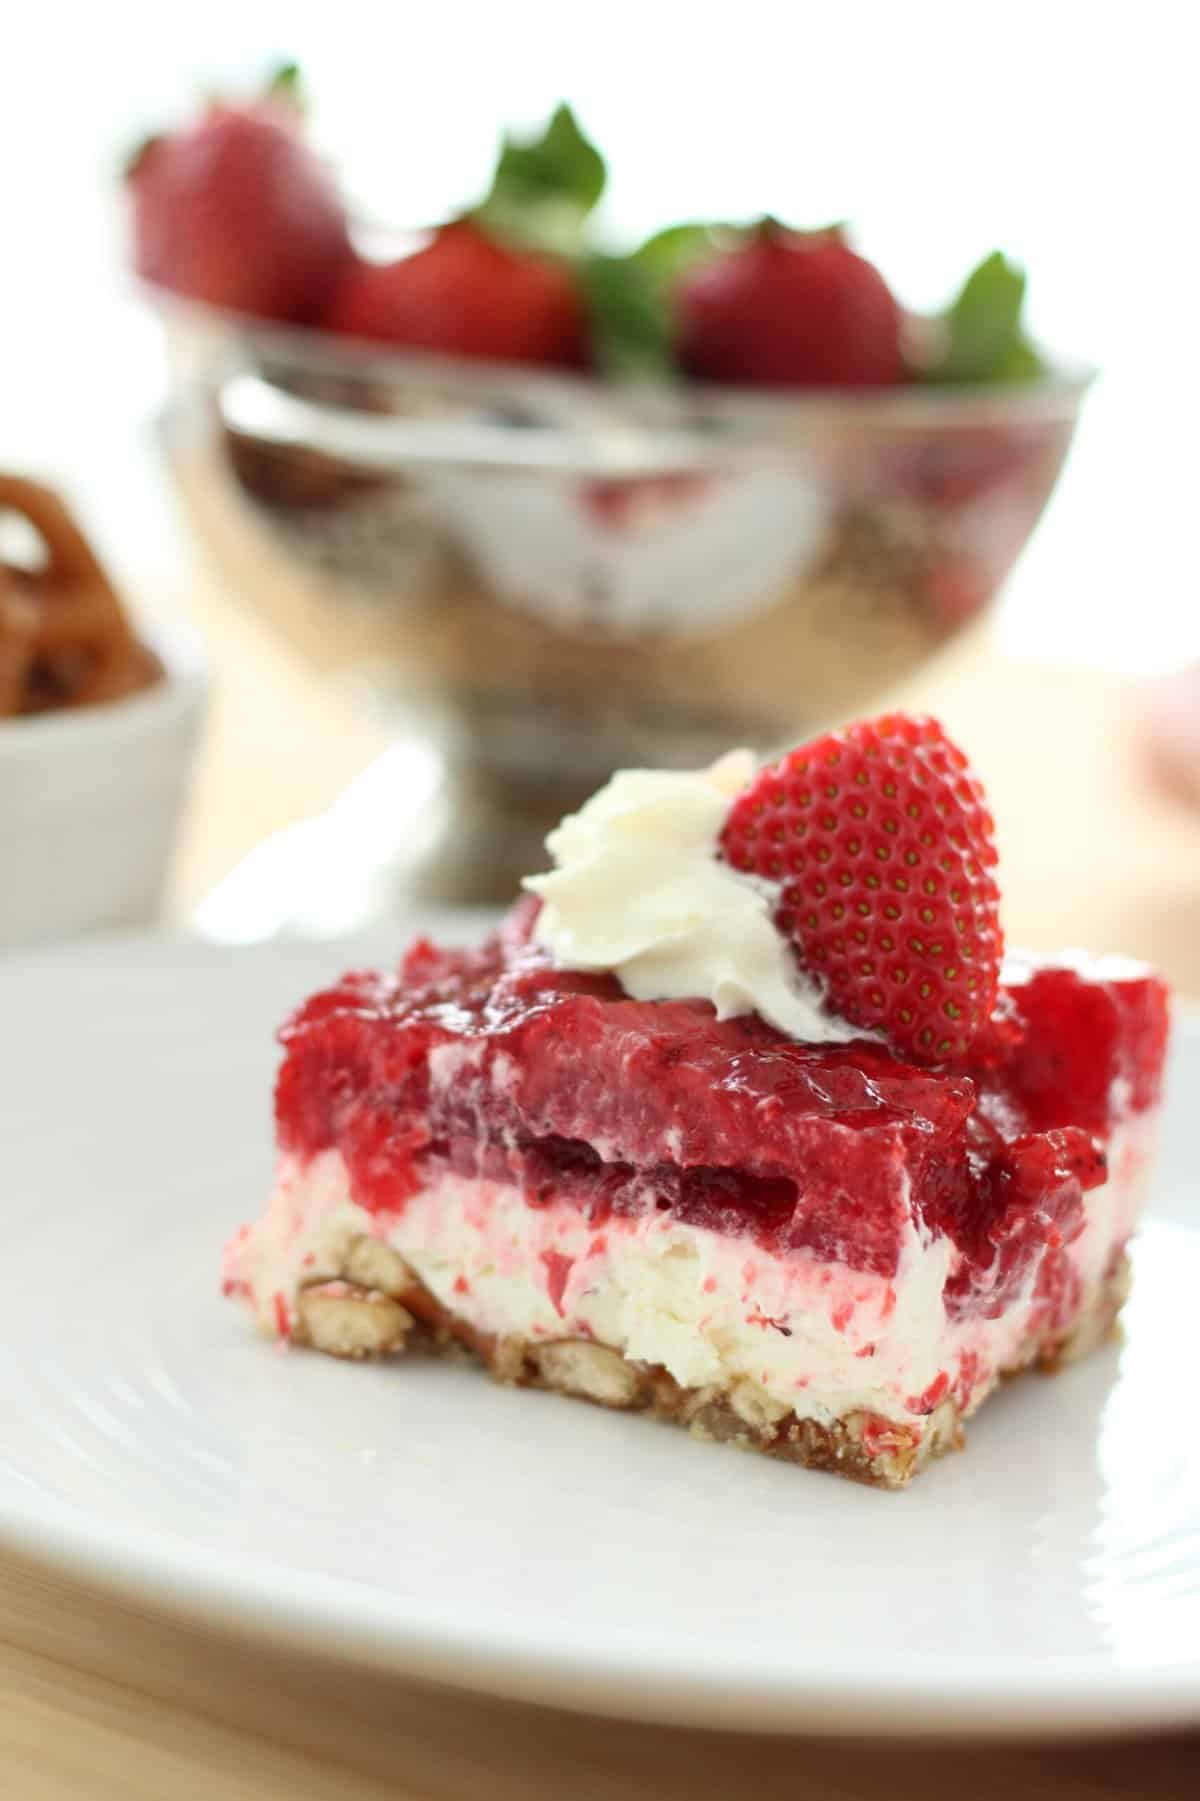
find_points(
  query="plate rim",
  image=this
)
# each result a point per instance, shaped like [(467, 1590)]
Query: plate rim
[(624, 1675)]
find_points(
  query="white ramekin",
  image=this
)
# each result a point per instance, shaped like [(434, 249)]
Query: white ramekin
[(90, 800)]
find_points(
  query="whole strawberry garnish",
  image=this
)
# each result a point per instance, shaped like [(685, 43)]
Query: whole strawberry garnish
[(787, 309), (882, 844), (467, 295), (235, 210)]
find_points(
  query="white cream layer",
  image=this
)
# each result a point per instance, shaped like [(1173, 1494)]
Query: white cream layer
[(786, 1333)]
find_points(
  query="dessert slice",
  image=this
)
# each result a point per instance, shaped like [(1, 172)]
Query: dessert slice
[(673, 1180)]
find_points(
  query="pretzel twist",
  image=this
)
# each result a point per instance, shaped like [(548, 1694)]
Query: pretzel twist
[(64, 638)]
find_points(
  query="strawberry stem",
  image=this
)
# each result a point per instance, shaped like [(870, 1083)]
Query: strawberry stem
[(285, 84)]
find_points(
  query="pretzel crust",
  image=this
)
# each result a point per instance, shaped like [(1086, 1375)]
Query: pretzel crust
[(376, 1306)]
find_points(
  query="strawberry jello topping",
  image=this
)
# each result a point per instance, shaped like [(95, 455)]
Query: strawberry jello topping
[(974, 1105)]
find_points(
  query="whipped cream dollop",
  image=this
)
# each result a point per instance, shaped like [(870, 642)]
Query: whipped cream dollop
[(639, 890)]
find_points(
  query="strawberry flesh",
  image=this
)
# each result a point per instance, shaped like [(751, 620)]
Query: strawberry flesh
[(881, 846)]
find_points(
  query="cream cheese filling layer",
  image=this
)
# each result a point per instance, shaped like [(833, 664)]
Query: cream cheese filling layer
[(795, 1332)]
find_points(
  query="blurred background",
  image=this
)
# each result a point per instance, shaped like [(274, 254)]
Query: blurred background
[(1064, 134)]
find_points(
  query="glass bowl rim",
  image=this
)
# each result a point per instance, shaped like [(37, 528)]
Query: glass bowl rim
[(744, 412)]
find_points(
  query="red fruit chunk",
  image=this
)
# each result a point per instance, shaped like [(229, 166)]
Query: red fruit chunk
[(788, 310), (1028, 1208), (929, 1397), (558, 1274), (881, 841), (236, 211), (466, 295), (1092, 1041)]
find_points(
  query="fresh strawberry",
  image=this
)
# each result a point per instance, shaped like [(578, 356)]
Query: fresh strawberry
[(881, 840), (787, 309), (467, 295), (236, 211)]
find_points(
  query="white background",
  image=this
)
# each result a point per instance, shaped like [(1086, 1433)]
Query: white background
[(1064, 132)]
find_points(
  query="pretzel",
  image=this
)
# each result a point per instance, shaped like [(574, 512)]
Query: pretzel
[(18, 634), (64, 638)]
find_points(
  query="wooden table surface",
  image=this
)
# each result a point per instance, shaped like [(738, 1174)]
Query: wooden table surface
[(101, 1699)]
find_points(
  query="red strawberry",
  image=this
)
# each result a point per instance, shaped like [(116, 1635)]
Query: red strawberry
[(790, 310), (236, 211), (468, 296), (882, 841)]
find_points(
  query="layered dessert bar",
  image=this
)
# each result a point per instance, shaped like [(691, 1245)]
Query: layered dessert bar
[(709, 1131)]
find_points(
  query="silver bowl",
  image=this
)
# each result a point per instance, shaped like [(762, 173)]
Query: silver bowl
[(552, 576)]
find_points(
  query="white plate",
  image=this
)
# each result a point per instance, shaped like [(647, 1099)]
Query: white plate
[(421, 1518)]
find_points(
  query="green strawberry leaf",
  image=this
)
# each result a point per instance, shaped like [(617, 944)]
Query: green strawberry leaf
[(670, 253), (1020, 362), (544, 189), (629, 299), (983, 340), (286, 89), (284, 82), (628, 315)]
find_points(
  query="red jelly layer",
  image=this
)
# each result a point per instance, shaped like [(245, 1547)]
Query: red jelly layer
[(492, 1062)]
